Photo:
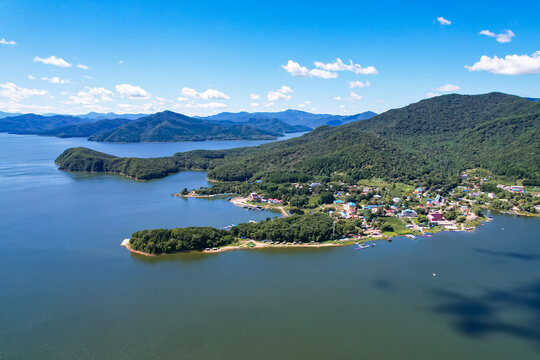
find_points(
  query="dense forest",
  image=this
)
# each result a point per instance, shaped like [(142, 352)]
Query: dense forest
[(431, 141), (307, 228)]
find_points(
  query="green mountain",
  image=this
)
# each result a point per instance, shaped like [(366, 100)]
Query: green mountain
[(430, 141), (293, 117), (168, 126), (34, 124), (86, 129), (276, 125)]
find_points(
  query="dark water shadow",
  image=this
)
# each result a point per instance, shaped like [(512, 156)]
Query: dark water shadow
[(509, 254), (384, 285), (482, 315)]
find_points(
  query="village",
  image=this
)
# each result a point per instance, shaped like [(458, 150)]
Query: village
[(377, 209)]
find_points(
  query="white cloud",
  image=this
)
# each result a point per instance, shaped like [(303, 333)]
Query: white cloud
[(509, 65), (283, 93), (120, 62), (430, 94), (15, 93), (443, 21), (12, 106), (84, 67), (55, 80), (303, 105), (90, 96), (339, 65), (254, 104), (132, 92), (502, 38), (31, 77), (358, 84), (212, 105), (180, 98), (447, 88), (380, 101), (254, 97), (295, 69), (3, 41), (270, 104), (206, 95), (353, 96), (52, 60)]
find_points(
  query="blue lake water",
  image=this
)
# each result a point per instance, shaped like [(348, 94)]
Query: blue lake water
[(68, 290)]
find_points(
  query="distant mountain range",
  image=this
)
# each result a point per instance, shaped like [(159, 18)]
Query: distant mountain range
[(85, 129), (168, 126), (35, 124), (294, 117)]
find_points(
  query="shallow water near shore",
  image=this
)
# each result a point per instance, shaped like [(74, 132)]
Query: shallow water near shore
[(68, 290)]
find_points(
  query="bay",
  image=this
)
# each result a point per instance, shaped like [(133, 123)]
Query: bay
[(68, 290)]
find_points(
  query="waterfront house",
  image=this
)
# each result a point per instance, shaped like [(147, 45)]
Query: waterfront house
[(254, 197), (435, 217)]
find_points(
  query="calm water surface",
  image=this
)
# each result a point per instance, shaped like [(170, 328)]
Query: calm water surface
[(69, 291)]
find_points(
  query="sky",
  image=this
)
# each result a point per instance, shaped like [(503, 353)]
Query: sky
[(205, 57)]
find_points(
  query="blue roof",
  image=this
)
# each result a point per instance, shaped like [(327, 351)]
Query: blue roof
[(350, 203), (338, 201)]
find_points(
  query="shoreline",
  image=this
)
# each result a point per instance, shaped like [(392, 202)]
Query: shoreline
[(244, 245)]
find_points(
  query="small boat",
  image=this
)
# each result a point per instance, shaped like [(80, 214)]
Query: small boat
[(410, 236)]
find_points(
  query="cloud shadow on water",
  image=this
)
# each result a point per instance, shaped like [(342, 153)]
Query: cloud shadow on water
[(509, 254), (514, 312)]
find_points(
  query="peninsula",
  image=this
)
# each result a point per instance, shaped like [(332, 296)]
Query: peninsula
[(430, 166)]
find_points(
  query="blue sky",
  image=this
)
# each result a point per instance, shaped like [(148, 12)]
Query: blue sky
[(207, 57)]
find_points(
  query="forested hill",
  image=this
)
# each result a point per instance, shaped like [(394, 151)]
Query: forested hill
[(33, 124), (85, 129), (293, 117), (430, 141), (168, 126)]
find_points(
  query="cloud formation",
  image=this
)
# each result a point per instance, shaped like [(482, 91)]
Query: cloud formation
[(447, 88), (15, 93), (353, 96), (55, 80), (358, 84), (90, 96), (283, 93), (53, 60), (254, 97), (509, 65), (132, 92), (212, 105), (84, 67), (205, 95), (339, 65), (295, 69), (505, 37), (443, 21), (3, 41)]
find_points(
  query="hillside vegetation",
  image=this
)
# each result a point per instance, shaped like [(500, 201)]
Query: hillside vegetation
[(430, 141)]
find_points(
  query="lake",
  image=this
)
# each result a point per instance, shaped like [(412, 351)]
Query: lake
[(69, 291)]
